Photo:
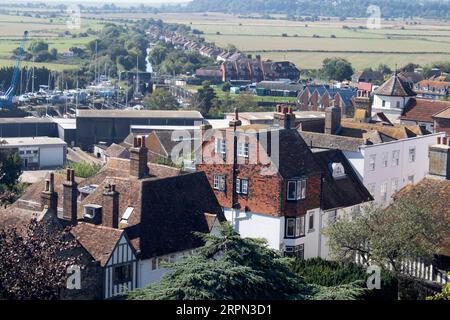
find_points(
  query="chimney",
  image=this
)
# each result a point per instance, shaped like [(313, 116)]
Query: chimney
[(439, 155), (284, 117), (70, 195), (235, 122), (49, 198), (332, 120), (139, 158), (110, 207)]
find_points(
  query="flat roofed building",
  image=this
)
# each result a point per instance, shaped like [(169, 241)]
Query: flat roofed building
[(113, 126), (27, 127), (37, 152)]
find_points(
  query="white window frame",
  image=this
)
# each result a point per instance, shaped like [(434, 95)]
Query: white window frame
[(311, 219), (383, 191), (394, 185), (395, 158), (220, 146), (385, 159), (299, 189), (298, 227), (372, 162), (219, 182), (412, 154), (243, 149)]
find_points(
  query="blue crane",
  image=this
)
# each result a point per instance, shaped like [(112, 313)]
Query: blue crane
[(6, 101)]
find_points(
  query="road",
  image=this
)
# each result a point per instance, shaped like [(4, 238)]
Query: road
[(78, 155)]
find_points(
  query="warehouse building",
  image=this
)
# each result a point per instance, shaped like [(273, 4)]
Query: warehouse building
[(27, 127), (113, 126), (37, 152)]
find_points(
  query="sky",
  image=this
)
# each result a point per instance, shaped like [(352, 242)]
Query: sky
[(107, 1)]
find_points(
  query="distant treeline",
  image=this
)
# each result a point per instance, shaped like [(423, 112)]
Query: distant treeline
[(327, 8)]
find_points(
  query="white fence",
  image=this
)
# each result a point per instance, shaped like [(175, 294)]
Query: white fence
[(420, 270)]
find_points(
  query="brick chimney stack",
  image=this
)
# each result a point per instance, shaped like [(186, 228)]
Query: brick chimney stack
[(439, 155), (49, 198), (139, 158), (235, 122), (70, 195), (332, 120), (110, 207), (284, 117)]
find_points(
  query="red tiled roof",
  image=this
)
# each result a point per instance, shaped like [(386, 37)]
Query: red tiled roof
[(423, 109), (99, 241)]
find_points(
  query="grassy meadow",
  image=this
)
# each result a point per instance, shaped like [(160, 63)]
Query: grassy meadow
[(306, 44)]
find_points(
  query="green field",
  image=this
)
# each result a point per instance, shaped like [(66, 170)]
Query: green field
[(308, 43), (51, 30)]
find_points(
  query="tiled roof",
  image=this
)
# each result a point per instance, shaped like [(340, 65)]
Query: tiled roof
[(395, 86), (99, 241), (31, 199), (340, 192), (423, 109), (445, 114), (357, 129), (172, 210), (330, 141), (117, 151), (294, 158)]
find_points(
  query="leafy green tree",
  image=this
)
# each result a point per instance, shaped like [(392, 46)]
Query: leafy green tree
[(417, 225), (337, 69), (10, 169), (384, 69), (228, 267), (38, 46), (161, 99), (226, 87), (84, 169), (203, 100)]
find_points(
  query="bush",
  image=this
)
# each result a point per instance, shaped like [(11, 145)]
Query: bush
[(331, 274), (84, 169)]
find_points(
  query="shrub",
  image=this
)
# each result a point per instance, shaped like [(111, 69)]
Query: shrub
[(84, 169), (331, 274)]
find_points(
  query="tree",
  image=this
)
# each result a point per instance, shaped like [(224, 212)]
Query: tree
[(38, 46), (337, 69), (226, 87), (204, 98), (36, 267), (417, 224), (228, 267), (384, 69), (245, 102), (84, 169), (161, 99), (10, 169)]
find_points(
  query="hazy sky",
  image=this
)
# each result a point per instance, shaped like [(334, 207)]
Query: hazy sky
[(104, 1)]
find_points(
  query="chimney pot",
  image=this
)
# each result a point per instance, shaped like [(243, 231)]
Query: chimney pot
[(135, 142), (444, 140), (438, 140)]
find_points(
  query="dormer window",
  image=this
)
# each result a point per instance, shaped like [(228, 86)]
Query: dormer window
[(91, 211), (242, 149), (221, 146), (296, 189), (338, 170)]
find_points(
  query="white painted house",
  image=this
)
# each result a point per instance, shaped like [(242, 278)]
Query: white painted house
[(392, 97), (387, 167)]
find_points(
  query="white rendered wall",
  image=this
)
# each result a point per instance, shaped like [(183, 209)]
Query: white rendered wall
[(390, 109), (52, 156), (418, 168)]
